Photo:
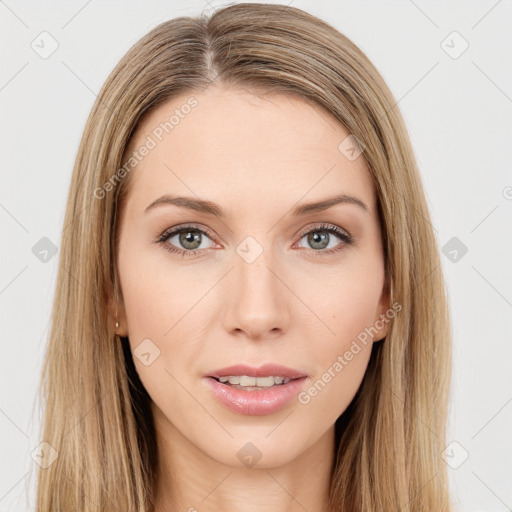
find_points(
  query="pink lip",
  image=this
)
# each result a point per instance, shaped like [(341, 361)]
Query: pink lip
[(263, 371), (257, 402)]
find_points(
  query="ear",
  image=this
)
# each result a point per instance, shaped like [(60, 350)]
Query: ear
[(117, 307), (382, 322)]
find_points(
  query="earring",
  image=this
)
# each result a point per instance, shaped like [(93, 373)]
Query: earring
[(117, 327)]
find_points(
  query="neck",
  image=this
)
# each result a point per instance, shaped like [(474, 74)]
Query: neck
[(190, 480)]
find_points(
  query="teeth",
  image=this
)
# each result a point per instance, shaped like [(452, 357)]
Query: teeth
[(246, 381)]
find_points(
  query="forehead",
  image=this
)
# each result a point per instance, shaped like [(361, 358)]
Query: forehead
[(232, 145)]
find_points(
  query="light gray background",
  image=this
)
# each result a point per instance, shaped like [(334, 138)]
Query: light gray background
[(458, 113)]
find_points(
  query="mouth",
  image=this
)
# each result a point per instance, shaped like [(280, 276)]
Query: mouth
[(250, 378), (255, 391), (248, 383)]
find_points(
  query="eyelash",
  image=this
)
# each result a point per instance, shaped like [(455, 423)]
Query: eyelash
[(329, 228)]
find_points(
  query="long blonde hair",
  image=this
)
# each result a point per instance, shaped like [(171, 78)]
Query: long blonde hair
[(390, 439)]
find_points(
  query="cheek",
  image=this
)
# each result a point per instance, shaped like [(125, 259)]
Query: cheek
[(330, 392), (347, 302), (343, 350), (344, 303), (157, 295), (165, 310), (159, 310)]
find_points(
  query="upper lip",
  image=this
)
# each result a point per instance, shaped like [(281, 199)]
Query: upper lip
[(266, 370)]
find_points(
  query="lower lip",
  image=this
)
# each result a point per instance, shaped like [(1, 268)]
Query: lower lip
[(258, 402)]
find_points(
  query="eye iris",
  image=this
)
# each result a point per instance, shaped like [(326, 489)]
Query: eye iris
[(190, 237), (320, 238)]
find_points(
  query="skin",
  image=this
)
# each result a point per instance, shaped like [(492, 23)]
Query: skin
[(257, 157)]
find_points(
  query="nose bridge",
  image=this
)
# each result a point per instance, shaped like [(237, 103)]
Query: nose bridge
[(258, 303)]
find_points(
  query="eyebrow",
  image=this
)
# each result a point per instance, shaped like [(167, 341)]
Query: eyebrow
[(211, 208)]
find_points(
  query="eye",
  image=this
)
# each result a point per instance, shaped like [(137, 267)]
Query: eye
[(188, 240), (320, 238)]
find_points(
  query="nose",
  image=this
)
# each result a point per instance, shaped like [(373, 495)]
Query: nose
[(258, 300)]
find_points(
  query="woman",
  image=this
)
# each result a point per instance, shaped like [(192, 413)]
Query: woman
[(250, 310)]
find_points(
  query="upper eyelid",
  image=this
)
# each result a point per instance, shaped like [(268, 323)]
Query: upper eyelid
[(174, 230), (327, 226)]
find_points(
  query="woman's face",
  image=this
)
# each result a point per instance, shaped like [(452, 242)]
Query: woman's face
[(270, 282)]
